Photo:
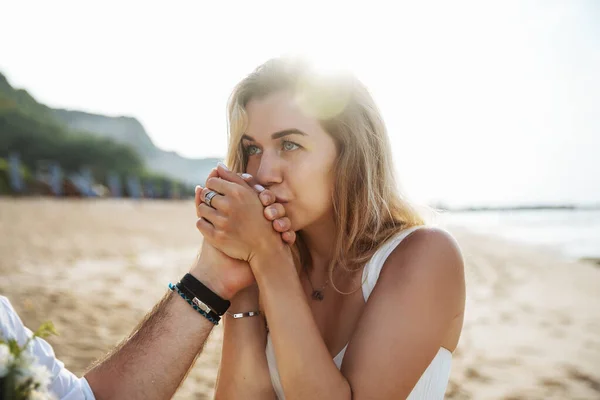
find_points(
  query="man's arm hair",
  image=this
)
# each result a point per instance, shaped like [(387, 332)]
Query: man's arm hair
[(153, 361)]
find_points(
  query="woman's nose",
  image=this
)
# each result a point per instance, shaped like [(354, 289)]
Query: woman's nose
[(269, 170)]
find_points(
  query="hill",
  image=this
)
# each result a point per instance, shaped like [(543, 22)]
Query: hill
[(123, 130)]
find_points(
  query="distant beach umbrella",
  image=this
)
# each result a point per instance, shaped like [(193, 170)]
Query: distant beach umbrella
[(55, 178), (134, 188), (149, 189), (83, 182), (168, 190), (114, 185), (16, 179), (87, 182)]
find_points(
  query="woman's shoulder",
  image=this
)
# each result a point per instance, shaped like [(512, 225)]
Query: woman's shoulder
[(408, 249), (430, 235), (427, 262), (417, 235), (428, 250)]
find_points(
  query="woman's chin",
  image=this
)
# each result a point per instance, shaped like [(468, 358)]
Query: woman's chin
[(295, 226)]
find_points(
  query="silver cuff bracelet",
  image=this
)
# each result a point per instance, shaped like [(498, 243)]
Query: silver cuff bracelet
[(244, 314)]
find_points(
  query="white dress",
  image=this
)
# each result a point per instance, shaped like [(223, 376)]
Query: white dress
[(433, 382)]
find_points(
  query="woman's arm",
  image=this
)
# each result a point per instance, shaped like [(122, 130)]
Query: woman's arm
[(306, 369), (421, 291), (243, 372)]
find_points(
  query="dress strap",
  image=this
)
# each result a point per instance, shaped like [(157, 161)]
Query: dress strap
[(373, 267)]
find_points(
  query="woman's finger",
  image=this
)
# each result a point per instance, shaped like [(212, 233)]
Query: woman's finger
[(198, 191), (274, 211), (210, 215), (206, 228), (249, 179), (267, 198), (253, 182), (218, 202), (289, 237), (213, 174), (222, 186), (207, 213), (197, 198), (227, 175), (282, 224)]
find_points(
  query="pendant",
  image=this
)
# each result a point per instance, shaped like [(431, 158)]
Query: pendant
[(317, 295)]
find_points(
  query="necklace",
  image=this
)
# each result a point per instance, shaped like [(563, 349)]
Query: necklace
[(317, 294)]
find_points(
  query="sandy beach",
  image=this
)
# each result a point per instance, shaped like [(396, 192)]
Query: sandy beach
[(95, 267)]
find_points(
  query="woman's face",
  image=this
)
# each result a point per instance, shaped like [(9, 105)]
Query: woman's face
[(289, 153)]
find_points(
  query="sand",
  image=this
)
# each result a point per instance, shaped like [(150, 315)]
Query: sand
[(95, 267)]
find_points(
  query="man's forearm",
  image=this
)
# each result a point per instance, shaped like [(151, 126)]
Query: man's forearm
[(154, 360)]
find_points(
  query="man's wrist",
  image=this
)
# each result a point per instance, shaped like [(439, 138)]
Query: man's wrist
[(178, 306), (213, 283)]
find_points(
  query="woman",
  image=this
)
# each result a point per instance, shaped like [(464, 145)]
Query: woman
[(368, 302)]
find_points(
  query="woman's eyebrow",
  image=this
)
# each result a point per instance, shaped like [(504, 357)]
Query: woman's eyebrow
[(279, 134)]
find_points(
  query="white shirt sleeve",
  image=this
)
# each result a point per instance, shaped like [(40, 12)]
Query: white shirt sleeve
[(64, 384)]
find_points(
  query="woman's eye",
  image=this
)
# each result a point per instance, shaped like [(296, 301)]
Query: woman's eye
[(289, 146), (252, 150)]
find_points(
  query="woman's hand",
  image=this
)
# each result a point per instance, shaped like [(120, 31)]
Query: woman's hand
[(273, 211), (235, 222), (222, 274)]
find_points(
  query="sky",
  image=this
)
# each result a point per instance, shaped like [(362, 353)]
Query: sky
[(486, 102)]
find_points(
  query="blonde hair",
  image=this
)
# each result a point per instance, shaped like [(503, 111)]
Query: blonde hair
[(368, 207)]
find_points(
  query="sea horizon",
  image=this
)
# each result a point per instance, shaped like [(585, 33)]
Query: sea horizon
[(573, 232)]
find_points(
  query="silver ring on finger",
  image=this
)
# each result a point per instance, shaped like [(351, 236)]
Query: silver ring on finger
[(208, 197)]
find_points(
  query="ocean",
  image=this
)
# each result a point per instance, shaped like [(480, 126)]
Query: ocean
[(574, 233)]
